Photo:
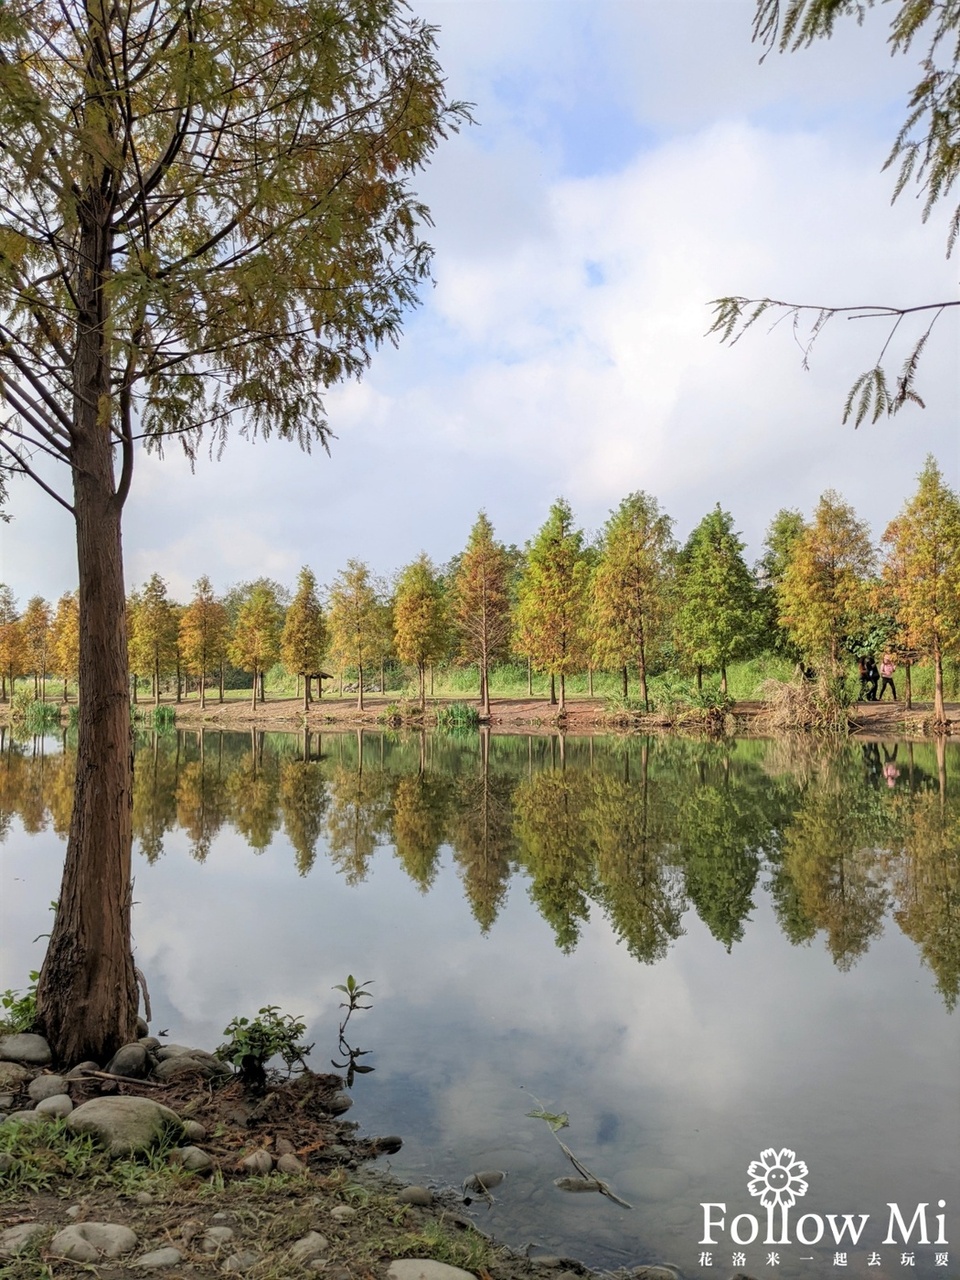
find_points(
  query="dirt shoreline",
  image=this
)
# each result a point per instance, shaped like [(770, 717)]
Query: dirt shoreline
[(528, 715), (582, 716)]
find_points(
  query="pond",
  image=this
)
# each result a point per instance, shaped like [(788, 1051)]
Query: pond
[(735, 968)]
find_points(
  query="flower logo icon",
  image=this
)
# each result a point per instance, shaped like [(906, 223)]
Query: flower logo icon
[(777, 1178)]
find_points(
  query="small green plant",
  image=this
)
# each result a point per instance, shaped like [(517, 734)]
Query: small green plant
[(31, 715), (355, 992), (457, 715), (254, 1042), (163, 718), (19, 1010)]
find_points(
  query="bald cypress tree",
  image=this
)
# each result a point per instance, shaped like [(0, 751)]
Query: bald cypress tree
[(551, 614), (717, 617), (922, 567), (631, 598)]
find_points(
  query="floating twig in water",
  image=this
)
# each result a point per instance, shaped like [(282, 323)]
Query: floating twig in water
[(587, 1180)]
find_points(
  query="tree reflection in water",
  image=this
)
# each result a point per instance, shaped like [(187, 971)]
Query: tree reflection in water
[(846, 837)]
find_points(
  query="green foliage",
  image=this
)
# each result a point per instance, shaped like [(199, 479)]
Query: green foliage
[(718, 617), (19, 1010), (925, 152), (254, 1042), (47, 1156), (457, 715), (555, 1119), (631, 587), (355, 992), (551, 608), (162, 719)]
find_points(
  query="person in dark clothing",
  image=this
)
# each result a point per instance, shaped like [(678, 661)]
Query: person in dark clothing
[(869, 676), (873, 678)]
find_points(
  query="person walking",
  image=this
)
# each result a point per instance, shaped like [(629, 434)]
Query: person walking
[(887, 668)]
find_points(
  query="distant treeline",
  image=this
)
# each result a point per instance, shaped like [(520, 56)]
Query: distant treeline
[(633, 601)]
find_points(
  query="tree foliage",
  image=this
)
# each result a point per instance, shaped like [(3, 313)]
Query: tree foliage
[(35, 625), (12, 656), (925, 154), (552, 598), (204, 626), (356, 620), (255, 643), (717, 615), (205, 220), (922, 567), (420, 625), (823, 590), (304, 639), (481, 602), (154, 635), (631, 585), (65, 639)]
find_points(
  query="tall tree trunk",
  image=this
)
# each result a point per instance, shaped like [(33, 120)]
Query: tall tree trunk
[(563, 693), (642, 671), (529, 677), (908, 685), (87, 992), (202, 691), (253, 694), (359, 686), (306, 692), (422, 673), (263, 686), (700, 677), (65, 698), (221, 681), (626, 687), (723, 680), (553, 690), (485, 688), (939, 714)]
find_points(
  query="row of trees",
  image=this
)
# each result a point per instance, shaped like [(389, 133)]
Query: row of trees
[(630, 600)]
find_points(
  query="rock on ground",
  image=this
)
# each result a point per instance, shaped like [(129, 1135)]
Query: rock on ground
[(27, 1048), (124, 1125), (416, 1195), (15, 1239), (425, 1269), (158, 1259), (44, 1086), (92, 1242), (309, 1247), (129, 1060)]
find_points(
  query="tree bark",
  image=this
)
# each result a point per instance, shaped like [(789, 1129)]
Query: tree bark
[(908, 685), (563, 693), (553, 690), (87, 992), (359, 686), (939, 713)]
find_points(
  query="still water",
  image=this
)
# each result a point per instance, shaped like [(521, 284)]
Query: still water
[(705, 955)]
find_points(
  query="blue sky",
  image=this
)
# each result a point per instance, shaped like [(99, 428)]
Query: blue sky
[(631, 161)]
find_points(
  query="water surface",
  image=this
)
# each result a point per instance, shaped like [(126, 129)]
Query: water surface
[(699, 952)]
